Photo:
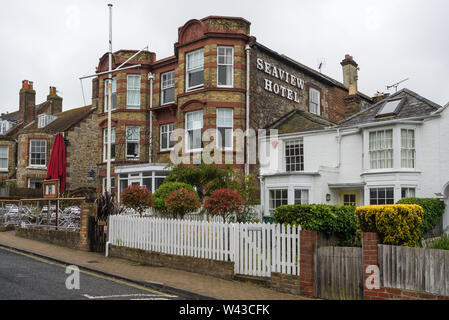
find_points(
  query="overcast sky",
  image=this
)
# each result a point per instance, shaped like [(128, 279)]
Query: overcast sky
[(53, 43)]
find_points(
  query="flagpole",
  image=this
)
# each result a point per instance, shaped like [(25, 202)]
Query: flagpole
[(108, 167)]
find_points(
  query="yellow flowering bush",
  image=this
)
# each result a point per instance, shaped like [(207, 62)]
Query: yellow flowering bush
[(397, 224)]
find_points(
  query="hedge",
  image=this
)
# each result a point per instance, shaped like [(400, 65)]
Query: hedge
[(164, 190), (339, 221), (397, 224), (433, 210)]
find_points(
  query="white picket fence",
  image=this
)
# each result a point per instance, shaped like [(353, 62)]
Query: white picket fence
[(256, 249)]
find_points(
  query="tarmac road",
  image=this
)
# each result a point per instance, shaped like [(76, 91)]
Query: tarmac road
[(25, 277)]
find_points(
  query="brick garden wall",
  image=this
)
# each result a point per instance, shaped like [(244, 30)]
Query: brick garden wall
[(68, 239)]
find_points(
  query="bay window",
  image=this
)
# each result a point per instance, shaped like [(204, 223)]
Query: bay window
[(225, 124), (195, 69), (408, 193), (278, 197), (133, 91), (168, 87), (381, 196), (407, 148), (132, 142), (194, 128), (301, 196), (225, 66), (381, 149)]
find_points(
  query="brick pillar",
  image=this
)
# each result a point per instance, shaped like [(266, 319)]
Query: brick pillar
[(370, 240), (308, 241), (87, 209)]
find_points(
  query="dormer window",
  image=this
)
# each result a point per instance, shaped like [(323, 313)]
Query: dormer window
[(390, 108), (45, 119)]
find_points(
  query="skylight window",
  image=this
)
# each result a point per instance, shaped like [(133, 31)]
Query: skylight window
[(390, 108)]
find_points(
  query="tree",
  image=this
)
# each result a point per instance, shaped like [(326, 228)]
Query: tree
[(246, 187), (182, 201), (163, 192), (223, 202), (137, 198)]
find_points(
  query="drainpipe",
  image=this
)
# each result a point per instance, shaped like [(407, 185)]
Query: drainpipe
[(150, 157), (248, 56)]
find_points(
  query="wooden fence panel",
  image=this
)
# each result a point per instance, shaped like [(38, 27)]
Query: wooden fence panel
[(339, 273), (415, 269)]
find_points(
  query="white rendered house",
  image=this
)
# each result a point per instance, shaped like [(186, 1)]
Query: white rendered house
[(397, 148)]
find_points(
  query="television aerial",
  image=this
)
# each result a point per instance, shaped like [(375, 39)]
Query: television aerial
[(396, 85)]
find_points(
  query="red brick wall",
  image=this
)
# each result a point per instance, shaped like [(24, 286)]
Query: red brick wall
[(308, 241)]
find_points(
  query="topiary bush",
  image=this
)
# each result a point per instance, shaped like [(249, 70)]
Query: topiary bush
[(433, 210), (339, 221), (397, 224), (223, 202), (182, 201), (137, 198), (164, 190)]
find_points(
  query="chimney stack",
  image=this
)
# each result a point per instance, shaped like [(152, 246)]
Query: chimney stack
[(27, 102), (350, 71), (55, 100)]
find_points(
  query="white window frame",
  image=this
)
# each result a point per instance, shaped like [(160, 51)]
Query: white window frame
[(378, 151), (168, 133), (105, 138), (231, 64), (132, 157), (407, 190), (167, 84), (113, 91), (301, 147), (381, 187), (196, 69), (188, 149), (7, 159), (29, 181), (45, 119), (302, 199), (270, 208), (316, 104), (113, 186), (408, 149), (231, 126), (45, 153), (134, 90)]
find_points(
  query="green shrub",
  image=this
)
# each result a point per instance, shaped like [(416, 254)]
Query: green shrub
[(433, 210), (339, 221), (397, 224), (441, 243), (164, 190)]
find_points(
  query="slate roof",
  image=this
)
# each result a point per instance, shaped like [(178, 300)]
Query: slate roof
[(65, 121), (413, 105), (300, 121)]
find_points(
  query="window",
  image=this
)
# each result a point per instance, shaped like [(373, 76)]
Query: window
[(132, 142), (225, 68), (45, 119), (195, 69), (38, 151), (278, 198), (314, 101), (3, 157), (301, 196), (166, 137), (389, 108), (381, 149), (105, 144), (225, 124), (112, 185), (168, 87), (349, 199), (133, 91), (113, 94), (294, 156), (35, 183), (381, 196), (407, 148), (194, 128), (408, 193)]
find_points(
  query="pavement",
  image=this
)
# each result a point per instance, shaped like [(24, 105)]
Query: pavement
[(180, 283)]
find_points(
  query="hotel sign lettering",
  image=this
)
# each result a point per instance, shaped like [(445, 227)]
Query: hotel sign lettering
[(282, 75)]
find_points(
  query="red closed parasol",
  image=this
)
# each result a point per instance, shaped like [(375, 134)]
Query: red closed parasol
[(57, 166)]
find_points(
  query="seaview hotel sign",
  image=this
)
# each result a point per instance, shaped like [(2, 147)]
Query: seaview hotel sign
[(282, 75)]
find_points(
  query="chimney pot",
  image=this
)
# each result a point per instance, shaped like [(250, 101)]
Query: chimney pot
[(30, 85)]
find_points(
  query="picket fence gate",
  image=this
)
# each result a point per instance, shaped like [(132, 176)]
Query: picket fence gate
[(257, 249)]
